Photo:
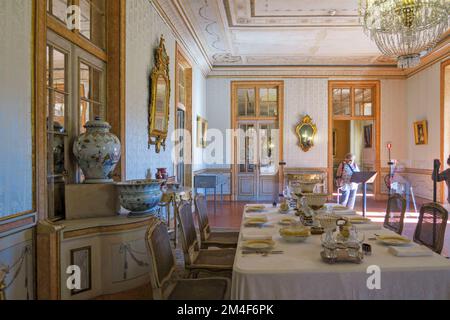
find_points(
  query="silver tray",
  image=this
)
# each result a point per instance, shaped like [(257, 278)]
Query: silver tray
[(342, 256)]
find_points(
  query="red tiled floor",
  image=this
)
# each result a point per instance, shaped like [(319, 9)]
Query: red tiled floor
[(229, 215)]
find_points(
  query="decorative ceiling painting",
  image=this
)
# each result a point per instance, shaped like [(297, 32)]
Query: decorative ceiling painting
[(236, 33)]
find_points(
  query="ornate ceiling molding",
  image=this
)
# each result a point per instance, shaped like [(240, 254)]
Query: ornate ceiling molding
[(203, 28), (308, 72), (291, 13)]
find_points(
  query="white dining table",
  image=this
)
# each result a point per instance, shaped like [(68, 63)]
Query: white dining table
[(298, 273)]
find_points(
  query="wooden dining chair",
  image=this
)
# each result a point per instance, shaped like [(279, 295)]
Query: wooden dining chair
[(196, 259), (430, 230), (212, 238), (165, 285), (395, 213)]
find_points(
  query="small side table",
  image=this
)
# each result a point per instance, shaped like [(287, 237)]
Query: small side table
[(210, 181)]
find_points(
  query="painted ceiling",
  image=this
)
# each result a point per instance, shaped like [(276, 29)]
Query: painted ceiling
[(277, 32)]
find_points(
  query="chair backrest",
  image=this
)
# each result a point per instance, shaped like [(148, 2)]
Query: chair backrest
[(187, 231), (162, 260), (430, 230), (395, 213), (201, 207)]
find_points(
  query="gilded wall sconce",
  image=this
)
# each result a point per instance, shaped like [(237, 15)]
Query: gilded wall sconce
[(306, 132)]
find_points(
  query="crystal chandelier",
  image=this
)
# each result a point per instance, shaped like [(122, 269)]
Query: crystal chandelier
[(404, 29)]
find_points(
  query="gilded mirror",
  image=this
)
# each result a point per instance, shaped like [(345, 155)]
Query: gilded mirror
[(306, 132), (202, 129), (160, 99)]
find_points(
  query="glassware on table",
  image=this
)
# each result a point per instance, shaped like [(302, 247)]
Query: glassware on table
[(354, 242), (329, 244)]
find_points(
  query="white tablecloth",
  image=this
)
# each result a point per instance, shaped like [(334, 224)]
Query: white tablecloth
[(300, 274)]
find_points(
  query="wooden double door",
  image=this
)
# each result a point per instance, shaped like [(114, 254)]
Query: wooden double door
[(257, 151)]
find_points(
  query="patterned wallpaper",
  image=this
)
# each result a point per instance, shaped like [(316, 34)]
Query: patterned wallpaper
[(306, 97), (423, 103), (15, 107), (144, 28)]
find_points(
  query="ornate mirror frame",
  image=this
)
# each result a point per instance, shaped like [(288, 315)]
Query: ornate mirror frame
[(306, 122), (158, 137)]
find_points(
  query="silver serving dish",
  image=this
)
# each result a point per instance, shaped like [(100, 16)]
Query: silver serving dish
[(342, 253)]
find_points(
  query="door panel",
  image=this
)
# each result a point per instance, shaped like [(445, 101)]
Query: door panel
[(257, 155), (267, 188), (246, 187)]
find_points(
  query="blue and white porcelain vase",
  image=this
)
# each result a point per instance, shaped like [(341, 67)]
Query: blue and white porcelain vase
[(97, 152)]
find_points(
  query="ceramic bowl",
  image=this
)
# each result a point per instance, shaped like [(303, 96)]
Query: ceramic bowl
[(140, 197), (316, 200)]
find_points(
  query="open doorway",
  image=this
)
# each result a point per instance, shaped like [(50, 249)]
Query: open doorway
[(357, 137), (354, 122)]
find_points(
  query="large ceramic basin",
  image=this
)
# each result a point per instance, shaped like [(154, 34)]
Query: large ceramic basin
[(140, 197)]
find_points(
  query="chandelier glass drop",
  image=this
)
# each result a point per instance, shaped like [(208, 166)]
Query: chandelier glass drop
[(405, 29)]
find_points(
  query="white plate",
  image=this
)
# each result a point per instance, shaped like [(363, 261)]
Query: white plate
[(255, 222), (258, 244), (294, 238)]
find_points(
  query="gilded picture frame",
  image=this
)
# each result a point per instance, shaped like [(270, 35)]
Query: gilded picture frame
[(306, 132), (159, 112), (202, 129), (421, 132)]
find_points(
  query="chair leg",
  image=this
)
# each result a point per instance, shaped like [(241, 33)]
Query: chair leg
[(414, 199)]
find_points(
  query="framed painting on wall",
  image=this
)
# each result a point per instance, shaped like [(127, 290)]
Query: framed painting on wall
[(421, 132), (368, 136)]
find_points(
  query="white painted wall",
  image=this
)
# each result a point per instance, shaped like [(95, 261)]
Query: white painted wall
[(306, 97), (394, 121), (423, 103), (15, 107), (199, 109), (218, 112), (447, 120), (423, 92), (144, 28)]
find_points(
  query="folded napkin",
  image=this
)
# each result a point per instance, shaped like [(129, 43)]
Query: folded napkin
[(260, 234), (412, 251)]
